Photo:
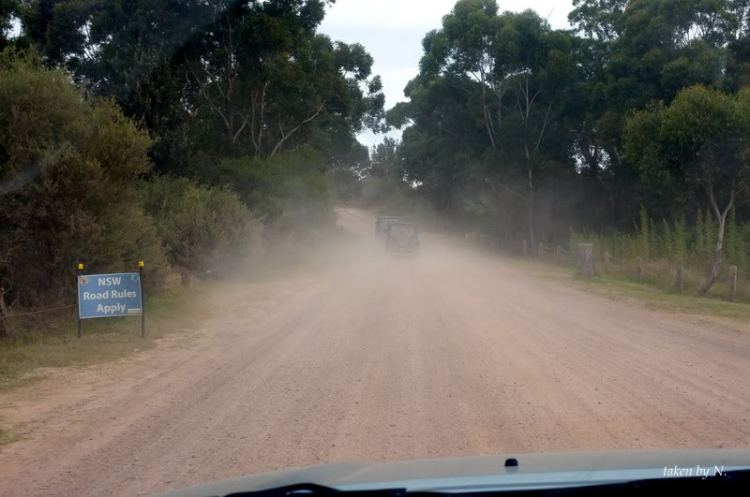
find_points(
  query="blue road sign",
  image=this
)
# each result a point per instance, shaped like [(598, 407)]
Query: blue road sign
[(108, 295)]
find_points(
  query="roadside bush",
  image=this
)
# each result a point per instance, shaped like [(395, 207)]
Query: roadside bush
[(675, 243), (69, 175), (202, 228), (347, 185), (290, 192)]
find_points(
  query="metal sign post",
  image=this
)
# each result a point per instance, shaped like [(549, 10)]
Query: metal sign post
[(80, 269), (143, 300)]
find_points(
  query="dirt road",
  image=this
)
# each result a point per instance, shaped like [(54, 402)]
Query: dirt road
[(378, 358)]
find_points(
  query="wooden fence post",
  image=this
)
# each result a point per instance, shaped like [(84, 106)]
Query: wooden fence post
[(678, 278), (732, 283), (586, 260), (638, 269), (558, 254), (606, 262), (525, 248), (541, 249)]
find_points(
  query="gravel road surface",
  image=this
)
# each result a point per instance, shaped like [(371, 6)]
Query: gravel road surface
[(382, 358)]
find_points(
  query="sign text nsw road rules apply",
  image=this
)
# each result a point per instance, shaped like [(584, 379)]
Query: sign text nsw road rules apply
[(108, 295)]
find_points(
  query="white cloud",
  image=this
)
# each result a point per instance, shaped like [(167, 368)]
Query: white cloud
[(412, 14)]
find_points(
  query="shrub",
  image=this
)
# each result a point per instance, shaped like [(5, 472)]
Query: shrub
[(290, 192), (69, 173), (679, 240), (643, 238), (202, 228)]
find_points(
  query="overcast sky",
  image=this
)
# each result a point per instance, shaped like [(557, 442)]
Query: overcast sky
[(392, 32)]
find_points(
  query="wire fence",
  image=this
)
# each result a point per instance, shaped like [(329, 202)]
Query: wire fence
[(660, 272), (653, 269), (518, 247), (37, 311), (8, 314), (617, 266)]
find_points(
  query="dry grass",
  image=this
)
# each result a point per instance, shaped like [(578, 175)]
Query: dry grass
[(53, 343), (657, 293), (8, 437)]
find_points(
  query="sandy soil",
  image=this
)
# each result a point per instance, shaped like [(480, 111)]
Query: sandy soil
[(378, 358)]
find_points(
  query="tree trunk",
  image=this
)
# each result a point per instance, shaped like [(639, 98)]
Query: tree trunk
[(722, 218), (228, 126), (229, 121), (6, 327), (711, 279)]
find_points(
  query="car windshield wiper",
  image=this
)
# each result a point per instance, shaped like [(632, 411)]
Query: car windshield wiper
[(730, 483), (313, 489)]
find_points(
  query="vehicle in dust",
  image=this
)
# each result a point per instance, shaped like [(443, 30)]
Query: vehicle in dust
[(402, 238), (381, 225)]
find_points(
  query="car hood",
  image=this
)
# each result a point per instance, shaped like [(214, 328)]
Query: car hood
[(476, 474)]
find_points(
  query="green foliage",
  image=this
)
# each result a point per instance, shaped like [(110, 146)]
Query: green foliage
[(731, 245), (654, 241), (699, 241), (667, 242), (69, 171), (436, 148), (8, 9), (202, 228), (216, 78), (709, 236), (643, 235), (743, 243), (486, 111), (509, 124), (700, 142), (346, 184), (680, 249), (673, 245), (290, 190)]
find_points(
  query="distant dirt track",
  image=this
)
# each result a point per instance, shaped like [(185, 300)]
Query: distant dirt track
[(449, 354)]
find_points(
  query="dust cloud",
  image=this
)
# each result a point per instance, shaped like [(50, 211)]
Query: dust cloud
[(362, 356)]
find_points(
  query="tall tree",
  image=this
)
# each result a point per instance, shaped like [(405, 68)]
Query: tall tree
[(515, 72), (8, 9), (701, 140), (637, 51), (254, 72), (441, 140)]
